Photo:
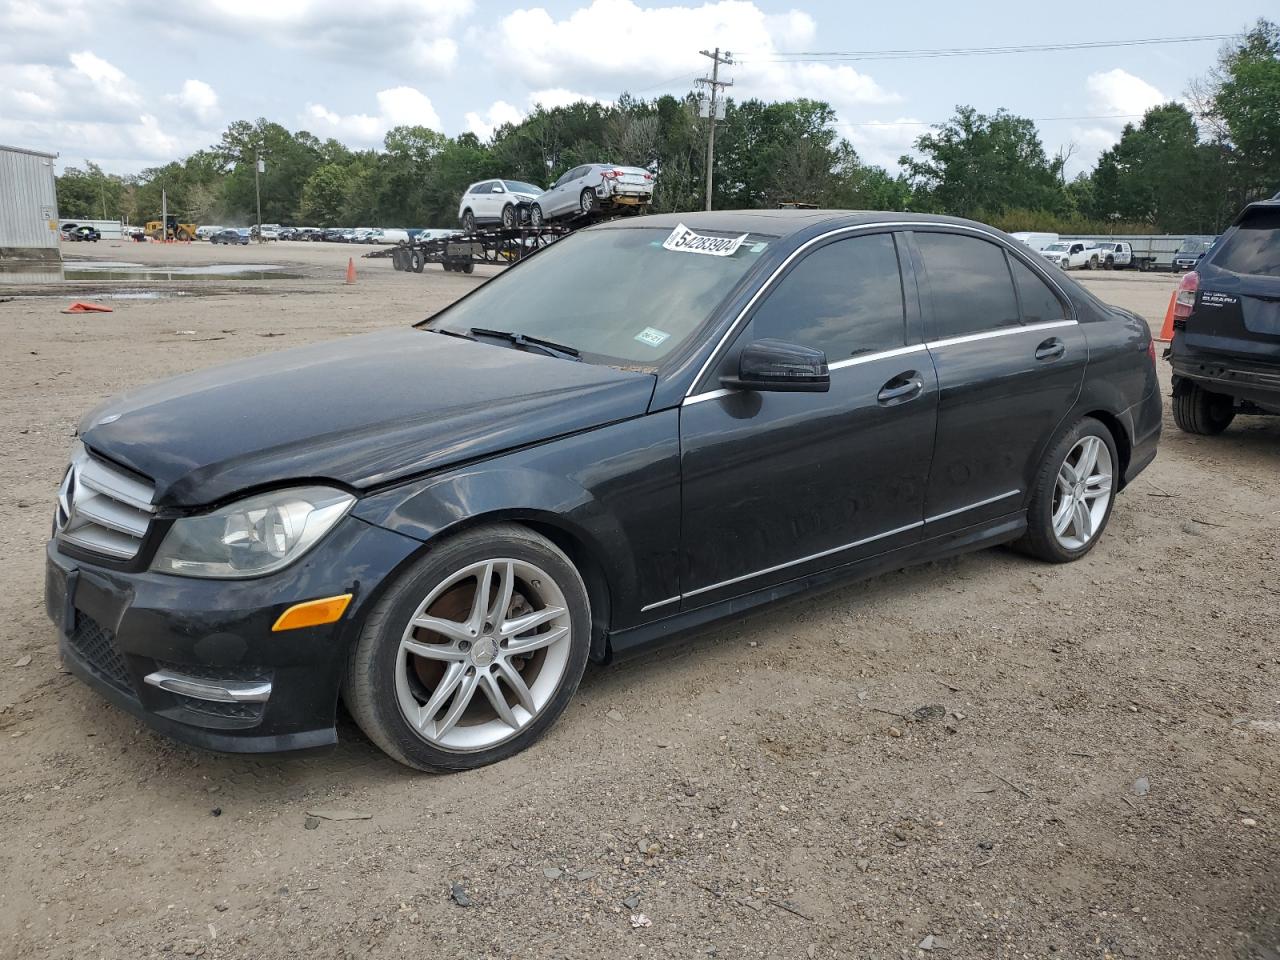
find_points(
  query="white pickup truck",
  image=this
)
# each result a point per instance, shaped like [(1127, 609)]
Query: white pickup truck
[(1073, 254)]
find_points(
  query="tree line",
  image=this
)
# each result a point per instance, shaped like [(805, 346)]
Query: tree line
[(1185, 168)]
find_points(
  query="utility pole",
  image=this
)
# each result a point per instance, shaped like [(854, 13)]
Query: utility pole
[(257, 187), (716, 109)]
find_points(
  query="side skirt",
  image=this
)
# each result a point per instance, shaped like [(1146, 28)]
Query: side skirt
[(636, 640)]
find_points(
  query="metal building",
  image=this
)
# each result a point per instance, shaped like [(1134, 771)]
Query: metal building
[(28, 205)]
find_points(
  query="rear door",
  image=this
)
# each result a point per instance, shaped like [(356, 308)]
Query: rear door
[(1237, 307), (1010, 359), (777, 485)]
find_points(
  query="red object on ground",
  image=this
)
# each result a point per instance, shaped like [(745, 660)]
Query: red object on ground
[(351, 270), (81, 307)]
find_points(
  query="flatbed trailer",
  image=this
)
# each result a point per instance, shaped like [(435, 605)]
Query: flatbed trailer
[(460, 252)]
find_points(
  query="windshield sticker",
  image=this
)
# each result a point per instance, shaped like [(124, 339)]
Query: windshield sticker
[(652, 337), (684, 240)]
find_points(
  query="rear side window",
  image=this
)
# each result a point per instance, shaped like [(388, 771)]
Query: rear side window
[(1254, 247), (1039, 303), (969, 283), (844, 298)]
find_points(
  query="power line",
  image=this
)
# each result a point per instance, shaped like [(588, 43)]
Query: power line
[(716, 85), (817, 56)]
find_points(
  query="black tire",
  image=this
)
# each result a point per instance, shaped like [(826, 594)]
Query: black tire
[(587, 202), (369, 688), (468, 267), (535, 217), (1039, 541), (508, 217), (1200, 411), (417, 260), (397, 259), (1110, 264), (468, 221)]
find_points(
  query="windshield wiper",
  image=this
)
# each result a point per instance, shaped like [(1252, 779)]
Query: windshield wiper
[(549, 347), (451, 333)]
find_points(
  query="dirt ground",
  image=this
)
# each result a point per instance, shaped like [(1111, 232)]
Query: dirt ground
[(1103, 784)]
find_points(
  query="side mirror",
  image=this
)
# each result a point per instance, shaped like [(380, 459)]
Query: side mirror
[(780, 367)]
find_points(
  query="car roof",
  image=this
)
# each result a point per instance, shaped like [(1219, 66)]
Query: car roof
[(785, 223)]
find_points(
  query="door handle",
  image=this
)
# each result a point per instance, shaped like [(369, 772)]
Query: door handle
[(904, 387), (1051, 349)]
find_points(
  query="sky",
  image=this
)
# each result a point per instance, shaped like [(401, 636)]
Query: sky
[(131, 84)]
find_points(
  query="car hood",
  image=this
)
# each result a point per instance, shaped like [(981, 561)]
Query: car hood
[(363, 412)]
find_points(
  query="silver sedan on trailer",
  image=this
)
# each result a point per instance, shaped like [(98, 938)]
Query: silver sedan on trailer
[(592, 187)]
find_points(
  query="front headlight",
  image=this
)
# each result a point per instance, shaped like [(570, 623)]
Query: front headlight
[(255, 536)]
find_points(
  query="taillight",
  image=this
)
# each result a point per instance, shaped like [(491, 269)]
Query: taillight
[(1151, 351), (1186, 298), (648, 176), (612, 174)]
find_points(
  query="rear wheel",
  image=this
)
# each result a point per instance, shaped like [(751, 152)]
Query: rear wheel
[(587, 202), (417, 260), (1197, 410), (397, 259), (1073, 494), (473, 653)]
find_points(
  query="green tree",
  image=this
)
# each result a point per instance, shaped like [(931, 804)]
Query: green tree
[(324, 195), (1243, 105), (976, 165)]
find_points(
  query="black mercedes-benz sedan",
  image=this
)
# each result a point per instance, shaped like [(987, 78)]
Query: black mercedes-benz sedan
[(644, 427)]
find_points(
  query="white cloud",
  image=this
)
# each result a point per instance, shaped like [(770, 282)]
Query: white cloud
[(484, 125), (883, 142), (398, 106), (108, 80), (501, 112), (197, 98), (374, 32), (657, 43), (1116, 98)]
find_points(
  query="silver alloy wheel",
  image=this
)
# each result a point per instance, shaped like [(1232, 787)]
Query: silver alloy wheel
[(500, 627), (588, 201), (1083, 493)]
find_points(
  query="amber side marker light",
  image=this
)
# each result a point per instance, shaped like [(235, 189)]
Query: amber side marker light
[(313, 613)]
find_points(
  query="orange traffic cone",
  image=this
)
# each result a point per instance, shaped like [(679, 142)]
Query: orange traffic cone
[(351, 270), (81, 307), (1166, 331)]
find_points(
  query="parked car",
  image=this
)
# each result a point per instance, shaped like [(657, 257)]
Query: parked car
[(392, 235), (231, 235), (338, 234), (1190, 254), (503, 202), (1115, 254), (265, 232), (80, 234), (205, 232), (1072, 254), (234, 548), (286, 233), (595, 186), (363, 235), (1226, 327)]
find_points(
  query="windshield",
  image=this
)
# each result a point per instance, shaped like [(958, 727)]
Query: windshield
[(1056, 248), (618, 295), (517, 186)]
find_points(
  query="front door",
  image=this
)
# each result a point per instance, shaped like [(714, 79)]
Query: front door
[(779, 485), (1010, 359)]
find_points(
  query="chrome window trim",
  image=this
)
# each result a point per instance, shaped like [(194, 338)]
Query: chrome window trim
[(1002, 332), (826, 553), (856, 228), (879, 355)]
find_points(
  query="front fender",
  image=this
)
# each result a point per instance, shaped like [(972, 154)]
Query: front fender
[(614, 492)]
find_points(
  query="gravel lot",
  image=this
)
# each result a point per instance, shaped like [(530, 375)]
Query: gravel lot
[(1103, 783)]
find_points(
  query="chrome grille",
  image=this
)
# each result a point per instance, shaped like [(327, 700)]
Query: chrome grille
[(103, 509)]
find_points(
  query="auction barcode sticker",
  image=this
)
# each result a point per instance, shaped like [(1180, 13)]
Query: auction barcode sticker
[(684, 240)]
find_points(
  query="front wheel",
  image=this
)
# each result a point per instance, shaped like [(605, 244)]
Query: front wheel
[(1073, 494), (1200, 411), (535, 217), (508, 217), (473, 653), (469, 222)]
